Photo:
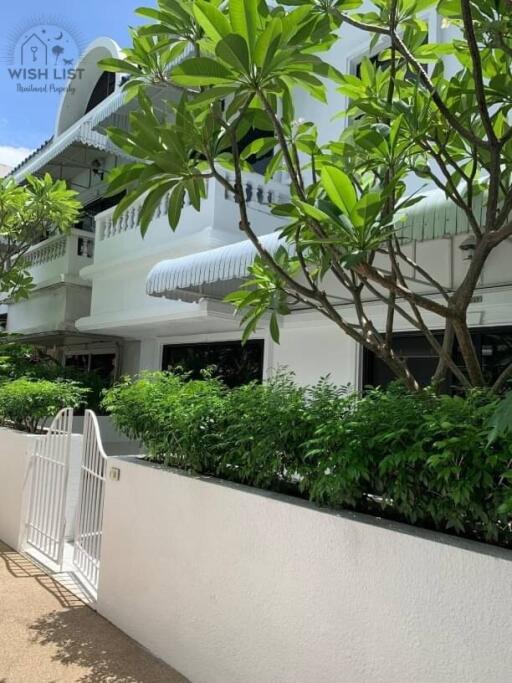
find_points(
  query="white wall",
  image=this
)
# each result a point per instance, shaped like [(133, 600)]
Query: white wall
[(49, 309), (317, 350), (14, 461), (230, 586), (130, 361), (113, 441)]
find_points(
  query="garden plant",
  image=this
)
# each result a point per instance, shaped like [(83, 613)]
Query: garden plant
[(417, 456)]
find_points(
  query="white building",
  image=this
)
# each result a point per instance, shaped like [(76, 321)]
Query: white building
[(91, 303)]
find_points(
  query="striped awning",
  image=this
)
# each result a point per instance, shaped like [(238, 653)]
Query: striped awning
[(79, 134), (213, 274), (435, 216), (208, 274)]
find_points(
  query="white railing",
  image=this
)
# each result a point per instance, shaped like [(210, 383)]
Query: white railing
[(106, 228), (49, 250), (259, 194), (49, 466), (60, 255), (89, 519)]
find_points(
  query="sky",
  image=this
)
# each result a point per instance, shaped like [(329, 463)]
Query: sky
[(28, 118)]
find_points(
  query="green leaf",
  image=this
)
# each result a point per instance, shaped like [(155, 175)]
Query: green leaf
[(268, 43), (234, 51), (246, 20), (312, 211), (176, 205), (150, 205), (339, 188), (119, 65), (258, 147), (366, 209), (213, 22), (201, 71), (274, 328)]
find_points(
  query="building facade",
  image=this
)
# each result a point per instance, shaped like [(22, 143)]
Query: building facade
[(109, 300)]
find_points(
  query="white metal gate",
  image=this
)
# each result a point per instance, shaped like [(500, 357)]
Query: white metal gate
[(49, 467), (89, 520)]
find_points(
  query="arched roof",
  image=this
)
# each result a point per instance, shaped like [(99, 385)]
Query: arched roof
[(74, 102)]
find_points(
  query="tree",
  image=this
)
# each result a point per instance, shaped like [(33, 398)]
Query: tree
[(347, 197), (30, 213)]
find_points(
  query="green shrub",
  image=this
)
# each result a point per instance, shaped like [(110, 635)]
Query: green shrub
[(175, 419), (421, 458), (25, 402), (500, 420), (22, 360), (263, 431)]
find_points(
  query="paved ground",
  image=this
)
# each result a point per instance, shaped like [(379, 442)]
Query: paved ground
[(47, 635)]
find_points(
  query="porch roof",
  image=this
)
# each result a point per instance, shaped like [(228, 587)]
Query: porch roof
[(82, 134), (208, 274), (59, 338), (213, 274)]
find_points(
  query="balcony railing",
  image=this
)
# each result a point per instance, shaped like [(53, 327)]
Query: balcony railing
[(106, 228), (60, 255), (260, 196)]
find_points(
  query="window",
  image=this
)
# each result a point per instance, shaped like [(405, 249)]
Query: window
[(231, 362), (104, 87), (103, 364), (87, 220), (493, 346)]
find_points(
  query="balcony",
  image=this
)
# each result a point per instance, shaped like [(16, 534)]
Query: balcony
[(214, 225), (123, 258), (60, 258)]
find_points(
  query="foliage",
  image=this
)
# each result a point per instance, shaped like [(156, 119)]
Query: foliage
[(145, 408), (238, 65), (417, 457), (25, 361), (25, 402), (263, 428), (500, 422), (30, 213)]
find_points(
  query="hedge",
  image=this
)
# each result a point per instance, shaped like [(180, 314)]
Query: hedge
[(24, 403), (19, 361), (420, 458)]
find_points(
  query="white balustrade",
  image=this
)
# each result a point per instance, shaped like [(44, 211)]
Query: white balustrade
[(259, 195), (60, 255), (49, 250)]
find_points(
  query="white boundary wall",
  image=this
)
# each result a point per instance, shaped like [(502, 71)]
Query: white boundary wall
[(232, 586), (15, 450)]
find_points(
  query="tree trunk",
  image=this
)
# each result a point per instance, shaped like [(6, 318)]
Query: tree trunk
[(468, 352)]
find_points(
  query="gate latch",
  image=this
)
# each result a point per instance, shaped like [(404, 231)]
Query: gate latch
[(115, 473)]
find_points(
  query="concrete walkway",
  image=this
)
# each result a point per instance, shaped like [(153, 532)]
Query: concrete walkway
[(47, 635)]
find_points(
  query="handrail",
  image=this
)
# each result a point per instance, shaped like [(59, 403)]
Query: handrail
[(259, 194), (56, 246)]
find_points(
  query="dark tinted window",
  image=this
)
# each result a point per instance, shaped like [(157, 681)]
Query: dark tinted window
[(104, 87), (102, 364), (493, 346), (230, 361)]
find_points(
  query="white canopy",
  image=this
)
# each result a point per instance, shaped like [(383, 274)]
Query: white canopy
[(213, 274), (210, 274)]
